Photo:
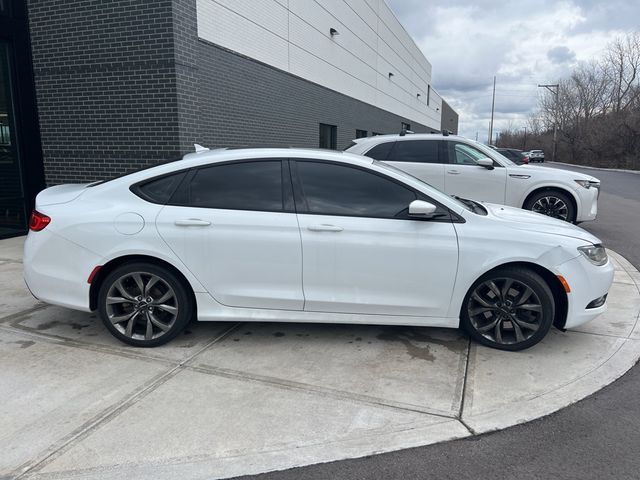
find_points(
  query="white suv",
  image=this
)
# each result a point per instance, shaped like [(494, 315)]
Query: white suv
[(461, 167), (536, 156)]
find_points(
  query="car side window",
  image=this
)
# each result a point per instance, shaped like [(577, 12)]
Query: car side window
[(159, 190), (463, 154), (332, 189), (251, 185), (381, 151), (417, 151)]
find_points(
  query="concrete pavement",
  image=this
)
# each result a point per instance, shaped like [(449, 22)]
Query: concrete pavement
[(595, 438), (232, 399)]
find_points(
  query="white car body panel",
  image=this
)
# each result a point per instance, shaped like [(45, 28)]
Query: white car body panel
[(433, 171), (508, 184), (472, 181), (351, 271), (243, 258), (374, 271)]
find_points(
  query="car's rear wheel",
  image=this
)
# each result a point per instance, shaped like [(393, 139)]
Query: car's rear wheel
[(144, 305), (510, 308), (552, 203)]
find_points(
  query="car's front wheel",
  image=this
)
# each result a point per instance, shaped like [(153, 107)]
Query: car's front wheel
[(144, 305), (509, 308), (552, 203)]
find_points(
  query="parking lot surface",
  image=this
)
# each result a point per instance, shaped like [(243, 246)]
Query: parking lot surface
[(231, 399)]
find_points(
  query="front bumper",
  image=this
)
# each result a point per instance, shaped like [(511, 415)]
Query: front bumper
[(588, 282), (588, 208)]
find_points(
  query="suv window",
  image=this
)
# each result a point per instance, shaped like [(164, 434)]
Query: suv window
[(463, 154), (380, 152), (418, 151), (330, 189), (253, 185)]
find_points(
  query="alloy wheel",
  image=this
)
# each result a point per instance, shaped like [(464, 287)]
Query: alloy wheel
[(551, 206), (141, 306), (505, 311)]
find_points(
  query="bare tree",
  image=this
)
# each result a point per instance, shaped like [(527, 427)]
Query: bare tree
[(622, 67)]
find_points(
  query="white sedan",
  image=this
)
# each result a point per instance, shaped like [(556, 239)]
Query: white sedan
[(300, 235), (459, 166)]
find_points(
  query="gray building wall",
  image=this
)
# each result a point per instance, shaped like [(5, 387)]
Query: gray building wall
[(105, 85), (125, 84), (449, 118)]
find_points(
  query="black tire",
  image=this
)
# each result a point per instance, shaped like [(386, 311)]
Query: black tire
[(146, 317), (501, 326), (552, 203)]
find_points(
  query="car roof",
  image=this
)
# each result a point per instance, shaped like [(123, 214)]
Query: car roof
[(205, 157), (408, 136), (224, 154)]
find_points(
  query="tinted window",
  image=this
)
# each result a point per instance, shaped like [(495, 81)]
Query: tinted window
[(161, 189), (419, 151), (511, 154), (331, 189), (239, 186), (380, 152)]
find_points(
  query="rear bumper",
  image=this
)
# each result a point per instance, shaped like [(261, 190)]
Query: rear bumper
[(588, 282), (56, 270)]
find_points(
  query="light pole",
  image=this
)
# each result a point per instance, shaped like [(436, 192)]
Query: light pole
[(493, 103), (554, 88)]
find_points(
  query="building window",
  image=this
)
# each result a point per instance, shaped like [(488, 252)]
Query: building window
[(328, 136), (428, 94), (361, 133), (406, 126)]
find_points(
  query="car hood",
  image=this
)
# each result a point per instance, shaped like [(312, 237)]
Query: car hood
[(551, 172), (527, 221)]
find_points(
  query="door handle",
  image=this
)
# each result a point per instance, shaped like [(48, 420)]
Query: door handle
[(453, 172), (192, 222), (324, 228)]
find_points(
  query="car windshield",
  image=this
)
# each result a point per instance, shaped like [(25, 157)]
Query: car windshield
[(504, 160), (454, 199)]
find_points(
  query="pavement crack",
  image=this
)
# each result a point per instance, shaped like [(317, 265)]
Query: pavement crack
[(23, 313), (93, 424), (318, 390), (465, 386)]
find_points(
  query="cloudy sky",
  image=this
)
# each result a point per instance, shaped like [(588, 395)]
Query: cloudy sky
[(522, 42)]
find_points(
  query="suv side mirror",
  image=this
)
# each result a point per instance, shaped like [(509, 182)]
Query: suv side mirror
[(486, 163), (420, 208)]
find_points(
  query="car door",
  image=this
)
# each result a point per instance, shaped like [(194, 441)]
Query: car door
[(421, 158), (466, 179), (362, 253), (234, 227)]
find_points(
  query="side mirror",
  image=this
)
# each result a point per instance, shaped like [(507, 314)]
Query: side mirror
[(420, 208), (486, 163)]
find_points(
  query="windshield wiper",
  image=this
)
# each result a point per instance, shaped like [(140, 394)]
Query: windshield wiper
[(474, 206)]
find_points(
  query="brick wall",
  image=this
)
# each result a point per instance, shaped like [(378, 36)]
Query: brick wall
[(127, 83), (449, 120), (105, 85), (246, 103)]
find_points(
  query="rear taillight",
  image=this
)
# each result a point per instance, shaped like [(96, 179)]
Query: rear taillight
[(38, 221)]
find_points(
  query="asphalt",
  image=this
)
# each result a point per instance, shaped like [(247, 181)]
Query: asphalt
[(596, 438)]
